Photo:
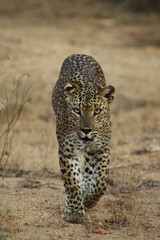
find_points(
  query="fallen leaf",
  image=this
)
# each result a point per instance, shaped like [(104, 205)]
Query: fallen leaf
[(100, 231)]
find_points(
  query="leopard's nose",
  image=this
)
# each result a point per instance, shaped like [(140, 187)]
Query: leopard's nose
[(86, 130)]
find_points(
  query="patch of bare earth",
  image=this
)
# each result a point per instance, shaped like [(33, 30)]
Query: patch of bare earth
[(32, 193)]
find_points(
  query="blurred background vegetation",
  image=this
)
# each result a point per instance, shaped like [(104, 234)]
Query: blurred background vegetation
[(49, 9)]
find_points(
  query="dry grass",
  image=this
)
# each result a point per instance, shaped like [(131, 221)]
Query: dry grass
[(14, 98)]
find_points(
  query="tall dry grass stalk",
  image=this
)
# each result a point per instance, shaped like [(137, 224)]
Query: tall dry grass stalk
[(14, 96)]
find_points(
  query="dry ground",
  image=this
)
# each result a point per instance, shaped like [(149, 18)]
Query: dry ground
[(34, 44)]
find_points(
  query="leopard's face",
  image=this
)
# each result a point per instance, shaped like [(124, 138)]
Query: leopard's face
[(88, 109)]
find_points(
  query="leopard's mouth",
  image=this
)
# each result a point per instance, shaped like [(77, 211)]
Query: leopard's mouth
[(86, 139)]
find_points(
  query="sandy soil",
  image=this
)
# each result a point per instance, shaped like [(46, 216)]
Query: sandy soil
[(34, 44)]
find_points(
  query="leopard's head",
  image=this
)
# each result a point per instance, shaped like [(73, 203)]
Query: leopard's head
[(88, 108)]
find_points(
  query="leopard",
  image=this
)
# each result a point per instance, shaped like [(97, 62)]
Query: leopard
[(81, 102)]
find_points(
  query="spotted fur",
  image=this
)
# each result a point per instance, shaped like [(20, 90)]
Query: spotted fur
[(81, 103)]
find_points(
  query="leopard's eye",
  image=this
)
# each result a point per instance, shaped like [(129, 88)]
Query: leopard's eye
[(97, 111), (77, 111)]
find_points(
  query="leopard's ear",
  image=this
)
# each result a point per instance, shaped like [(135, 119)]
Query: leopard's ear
[(69, 89), (108, 93)]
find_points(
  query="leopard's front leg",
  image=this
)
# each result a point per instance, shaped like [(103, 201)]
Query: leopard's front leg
[(71, 174), (99, 168)]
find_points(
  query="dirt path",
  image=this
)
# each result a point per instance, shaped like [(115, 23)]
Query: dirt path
[(32, 194)]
